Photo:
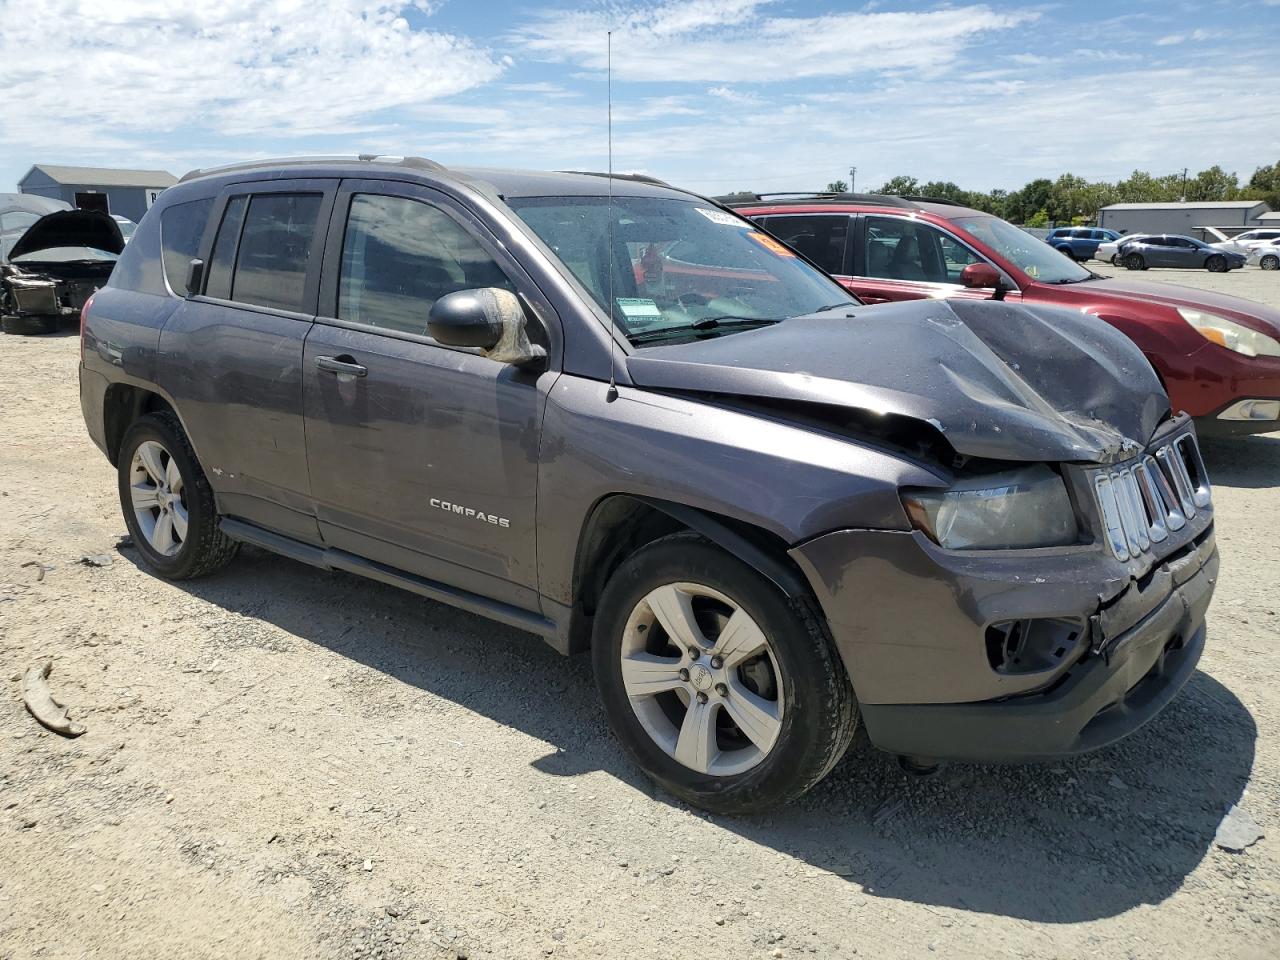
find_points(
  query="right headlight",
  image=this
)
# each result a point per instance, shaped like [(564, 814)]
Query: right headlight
[(1015, 509), (1227, 333)]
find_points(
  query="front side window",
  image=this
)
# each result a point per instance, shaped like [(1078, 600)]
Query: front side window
[(1037, 260), (821, 238), (668, 268), (400, 256), (181, 228), (271, 266), (901, 249)]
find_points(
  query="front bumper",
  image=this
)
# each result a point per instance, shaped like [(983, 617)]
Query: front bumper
[(909, 622)]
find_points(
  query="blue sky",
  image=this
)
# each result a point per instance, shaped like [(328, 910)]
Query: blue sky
[(714, 94)]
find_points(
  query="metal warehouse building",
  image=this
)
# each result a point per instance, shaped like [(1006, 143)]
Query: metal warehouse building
[(1189, 219), (128, 193)]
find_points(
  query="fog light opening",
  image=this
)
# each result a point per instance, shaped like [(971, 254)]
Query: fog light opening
[(1032, 645)]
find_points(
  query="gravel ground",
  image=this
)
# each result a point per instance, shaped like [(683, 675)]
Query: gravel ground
[(285, 763)]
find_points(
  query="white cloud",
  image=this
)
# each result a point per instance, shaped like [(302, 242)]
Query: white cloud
[(731, 41), (145, 69)]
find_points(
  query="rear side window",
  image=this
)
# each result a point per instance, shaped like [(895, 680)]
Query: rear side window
[(820, 238), (400, 256), (181, 227), (223, 258), (275, 246)]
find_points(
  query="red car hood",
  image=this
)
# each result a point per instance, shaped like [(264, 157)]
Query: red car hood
[(1259, 316)]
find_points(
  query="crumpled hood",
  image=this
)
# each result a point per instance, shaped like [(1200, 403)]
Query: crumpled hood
[(1174, 295), (997, 380), (70, 228)]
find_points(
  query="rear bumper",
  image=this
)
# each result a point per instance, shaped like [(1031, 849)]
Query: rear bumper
[(1101, 700)]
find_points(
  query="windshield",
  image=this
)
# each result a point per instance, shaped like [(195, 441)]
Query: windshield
[(678, 268), (1033, 257)]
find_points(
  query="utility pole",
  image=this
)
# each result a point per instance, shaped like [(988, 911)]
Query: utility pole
[(853, 178), (1184, 184)]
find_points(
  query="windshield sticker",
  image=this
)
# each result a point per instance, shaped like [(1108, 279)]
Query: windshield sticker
[(720, 217), (770, 244), (638, 308)]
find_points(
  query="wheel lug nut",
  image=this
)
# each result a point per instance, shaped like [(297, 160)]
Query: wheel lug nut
[(702, 697), (716, 663), (684, 674), (722, 690), (694, 653)]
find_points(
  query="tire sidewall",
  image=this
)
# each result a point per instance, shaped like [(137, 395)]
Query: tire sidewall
[(1271, 262), (1216, 264), (199, 522), (1134, 261), (789, 767)]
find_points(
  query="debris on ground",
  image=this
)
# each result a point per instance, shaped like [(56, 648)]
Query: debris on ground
[(1237, 830), (43, 568), (39, 700), (96, 560), (125, 542)]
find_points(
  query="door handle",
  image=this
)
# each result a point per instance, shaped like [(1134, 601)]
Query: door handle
[(344, 364)]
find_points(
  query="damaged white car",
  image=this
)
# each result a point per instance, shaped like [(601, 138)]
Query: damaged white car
[(51, 261)]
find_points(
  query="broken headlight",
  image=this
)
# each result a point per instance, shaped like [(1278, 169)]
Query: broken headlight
[(1234, 336), (1015, 509)]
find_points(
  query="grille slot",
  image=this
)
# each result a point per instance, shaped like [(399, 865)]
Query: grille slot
[(1142, 501)]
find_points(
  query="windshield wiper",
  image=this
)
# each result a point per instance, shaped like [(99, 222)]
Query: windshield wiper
[(833, 306), (703, 323)]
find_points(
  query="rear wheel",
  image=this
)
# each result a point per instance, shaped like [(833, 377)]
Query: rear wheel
[(1135, 261), (28, 325), (1115, 260), (167, 501), (1067, 252), (1216, 264), (724, 690), (1270, 262)]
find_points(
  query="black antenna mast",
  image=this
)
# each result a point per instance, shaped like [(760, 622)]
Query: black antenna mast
[(612, 395)]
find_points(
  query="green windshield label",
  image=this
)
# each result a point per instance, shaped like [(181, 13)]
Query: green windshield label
[(638, 308)]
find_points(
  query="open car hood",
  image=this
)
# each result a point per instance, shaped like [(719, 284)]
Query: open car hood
[(995, 380), (70, 228)]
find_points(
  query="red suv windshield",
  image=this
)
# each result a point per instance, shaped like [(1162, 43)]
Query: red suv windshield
[(1033, 257)]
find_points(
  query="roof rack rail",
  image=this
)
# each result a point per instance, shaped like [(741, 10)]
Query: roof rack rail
[(809, 196), (419, 163), (636, 177), (941, 200)]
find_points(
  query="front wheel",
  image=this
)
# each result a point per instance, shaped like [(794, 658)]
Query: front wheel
[(1270, 262), (1216, 264), (1134, 261), (724, 690), (167, 501)]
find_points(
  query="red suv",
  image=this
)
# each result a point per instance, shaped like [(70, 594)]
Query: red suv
[(1218, 356)]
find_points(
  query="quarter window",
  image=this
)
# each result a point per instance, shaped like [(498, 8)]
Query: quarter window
[(181, 228), (400, 256)]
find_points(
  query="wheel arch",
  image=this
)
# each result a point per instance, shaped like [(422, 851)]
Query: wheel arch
[(619, 524), (124, 403)]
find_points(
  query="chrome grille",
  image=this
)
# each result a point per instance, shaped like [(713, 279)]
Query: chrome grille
[(1142, 501)]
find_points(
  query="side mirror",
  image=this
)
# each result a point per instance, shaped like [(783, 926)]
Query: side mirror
[(980, 276), (195, 277), (489, 318)]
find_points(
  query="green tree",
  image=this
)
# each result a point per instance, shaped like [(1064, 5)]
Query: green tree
[(1265, 185), (1038, 219), (837, 186), (1213, 184), (900, 186)]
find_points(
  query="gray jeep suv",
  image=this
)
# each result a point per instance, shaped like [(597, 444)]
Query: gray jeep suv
[(617, 415)]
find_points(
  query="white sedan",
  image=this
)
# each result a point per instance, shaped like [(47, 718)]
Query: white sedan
[(1266, 255)]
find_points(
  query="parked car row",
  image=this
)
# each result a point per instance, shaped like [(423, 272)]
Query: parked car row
[(625, 418), (1218, 356)]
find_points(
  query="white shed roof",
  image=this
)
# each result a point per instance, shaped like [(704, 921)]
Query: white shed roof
[(105, 176), (1193, 205)]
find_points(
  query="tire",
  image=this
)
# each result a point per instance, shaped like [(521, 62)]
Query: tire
[(1270, 262), (1135, 261), (800, 700), (156, 445), (1217, 264), (26, 326), (1115, 260)]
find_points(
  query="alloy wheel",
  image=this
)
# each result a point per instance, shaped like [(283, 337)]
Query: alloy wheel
[(1270, 263), (158, 498), (702, 679)]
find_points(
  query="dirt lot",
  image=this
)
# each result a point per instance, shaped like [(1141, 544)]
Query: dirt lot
[(283, 763)]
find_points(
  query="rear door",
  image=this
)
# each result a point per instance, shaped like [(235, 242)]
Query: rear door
[(231, 354), (423, 457), (822, 237)]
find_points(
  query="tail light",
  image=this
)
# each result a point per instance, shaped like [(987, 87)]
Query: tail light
[(84, 316)]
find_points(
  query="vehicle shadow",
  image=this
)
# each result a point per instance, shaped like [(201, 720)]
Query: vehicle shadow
[(1251, 462), (1075, 840)]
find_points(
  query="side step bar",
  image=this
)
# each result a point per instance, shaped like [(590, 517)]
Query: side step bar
[(328, 558)]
